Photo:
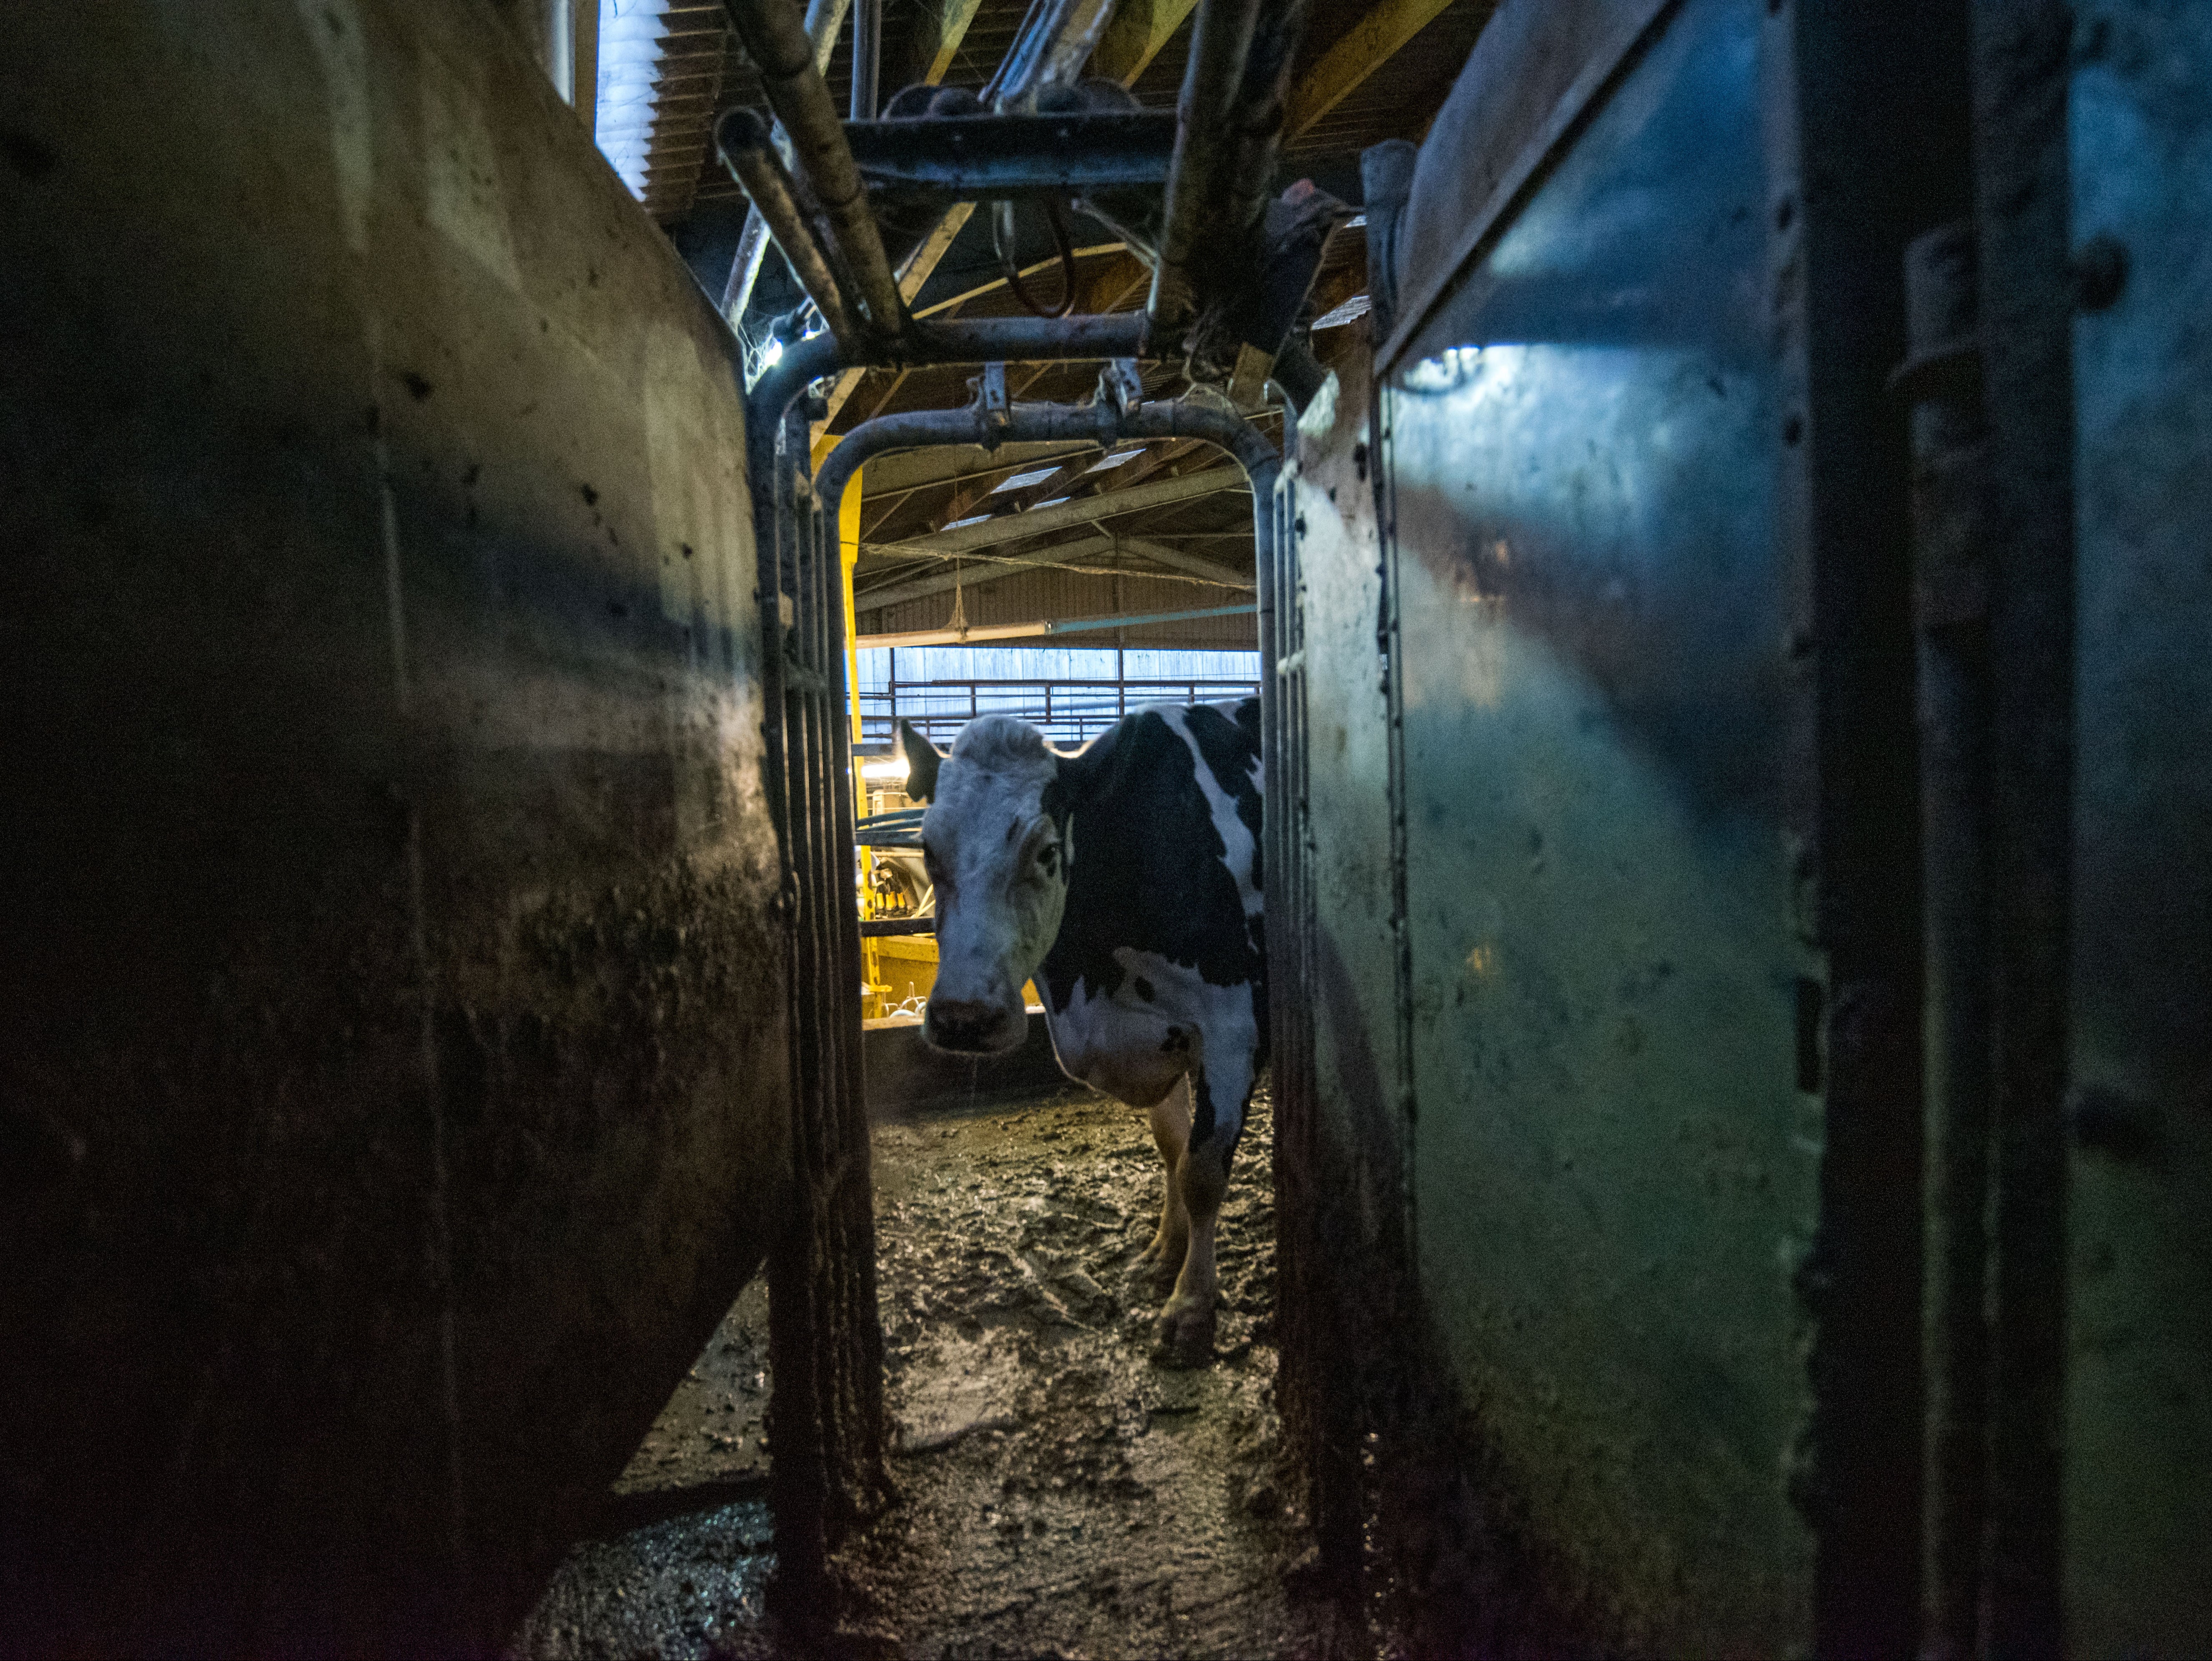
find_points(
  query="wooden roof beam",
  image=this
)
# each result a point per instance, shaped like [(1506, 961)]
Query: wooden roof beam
[(1365, 47), (1141, 30)]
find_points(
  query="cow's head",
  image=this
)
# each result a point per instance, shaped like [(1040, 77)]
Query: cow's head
[(998, 854)]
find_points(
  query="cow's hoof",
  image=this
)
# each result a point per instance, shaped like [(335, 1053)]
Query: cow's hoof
[(1187, 1333)]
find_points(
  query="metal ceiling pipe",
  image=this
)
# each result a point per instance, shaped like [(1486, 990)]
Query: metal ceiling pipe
[(775, 37), (823, 18), (1051, 52), (867, 56), (745, 145), (1256, 121), (963, 340), (1206, 145)]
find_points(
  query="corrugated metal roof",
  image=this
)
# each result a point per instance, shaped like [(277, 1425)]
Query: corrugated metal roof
[(659, 88)]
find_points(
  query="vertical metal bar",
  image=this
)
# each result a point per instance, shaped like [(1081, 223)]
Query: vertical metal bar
[(1867, 149), (2023, 209), (826, 1344), (1951, 601), (868, 58)]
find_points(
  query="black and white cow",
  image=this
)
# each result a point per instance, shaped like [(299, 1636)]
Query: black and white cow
[(1124, 879)]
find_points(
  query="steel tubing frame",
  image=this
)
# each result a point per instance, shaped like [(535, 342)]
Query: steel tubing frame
[(973, 340), (1035, 423), (742, 141), (825, 1344), (774, 37), (1221, 38)]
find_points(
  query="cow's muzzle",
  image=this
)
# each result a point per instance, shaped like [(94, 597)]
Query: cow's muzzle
[(973, 1028)]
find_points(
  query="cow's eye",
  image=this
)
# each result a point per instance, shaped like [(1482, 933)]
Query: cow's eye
[(1049, 859)]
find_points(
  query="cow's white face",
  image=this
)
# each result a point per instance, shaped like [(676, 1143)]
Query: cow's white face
[(999, 867)]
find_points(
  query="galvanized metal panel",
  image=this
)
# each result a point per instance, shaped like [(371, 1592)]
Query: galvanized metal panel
[(1611, 1164), (2139, 1413), (1533, 72)]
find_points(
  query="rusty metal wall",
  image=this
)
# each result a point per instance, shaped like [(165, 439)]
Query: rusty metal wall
[(392, 1049)]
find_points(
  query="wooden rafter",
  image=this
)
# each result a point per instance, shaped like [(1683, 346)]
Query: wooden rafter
[(1138, 33), (1365, 47)]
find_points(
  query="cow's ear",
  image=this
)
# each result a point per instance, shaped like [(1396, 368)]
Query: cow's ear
[(1078, 773), (921, 761)]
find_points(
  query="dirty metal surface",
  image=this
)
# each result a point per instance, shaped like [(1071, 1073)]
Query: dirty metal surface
[(1611, 1143), (2139, 1343)]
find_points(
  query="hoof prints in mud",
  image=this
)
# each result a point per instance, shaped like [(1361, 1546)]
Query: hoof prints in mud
[(1063, 1493)]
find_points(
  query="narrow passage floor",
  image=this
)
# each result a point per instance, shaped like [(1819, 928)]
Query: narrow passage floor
[(1062, 1493)]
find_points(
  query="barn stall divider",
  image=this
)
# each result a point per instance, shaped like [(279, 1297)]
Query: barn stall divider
[(1629, 1090)]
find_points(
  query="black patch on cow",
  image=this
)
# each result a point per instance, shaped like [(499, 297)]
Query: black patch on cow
[(1149, 871), (1145, 991), (1204, 1120), (1230, 747), (1177, 1042), (922, 760)]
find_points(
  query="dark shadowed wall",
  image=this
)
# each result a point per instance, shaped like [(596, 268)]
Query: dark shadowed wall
[(392, 1043)]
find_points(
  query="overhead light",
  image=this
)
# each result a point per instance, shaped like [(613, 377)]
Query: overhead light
[(892, 767), (771, 353)]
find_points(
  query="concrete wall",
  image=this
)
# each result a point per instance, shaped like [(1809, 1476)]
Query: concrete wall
[(392, 1043)]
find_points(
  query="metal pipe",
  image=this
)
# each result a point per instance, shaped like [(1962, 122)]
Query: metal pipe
[(1024, 423), (742, 140), (1248, 182), (775, 38), (1051, 52), (867, 56), (823, 19), (1221, 38), (1386, 184), (963, 340), (1951, 583), (1031, 424), (1038, 630), (1043, 521)]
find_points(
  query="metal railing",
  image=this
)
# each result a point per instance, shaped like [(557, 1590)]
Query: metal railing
[(1065, 711)]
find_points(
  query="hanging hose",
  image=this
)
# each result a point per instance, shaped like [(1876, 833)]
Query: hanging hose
[(1057, 219)]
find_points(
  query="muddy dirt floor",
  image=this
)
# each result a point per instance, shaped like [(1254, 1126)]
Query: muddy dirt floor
[(1063, 1493)]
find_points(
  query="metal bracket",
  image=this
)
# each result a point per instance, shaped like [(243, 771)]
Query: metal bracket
[(1121, 384), (991, 399)]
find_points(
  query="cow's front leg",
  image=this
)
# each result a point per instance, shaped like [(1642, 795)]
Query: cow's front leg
[(1162, 1261), (1217, 1118)]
